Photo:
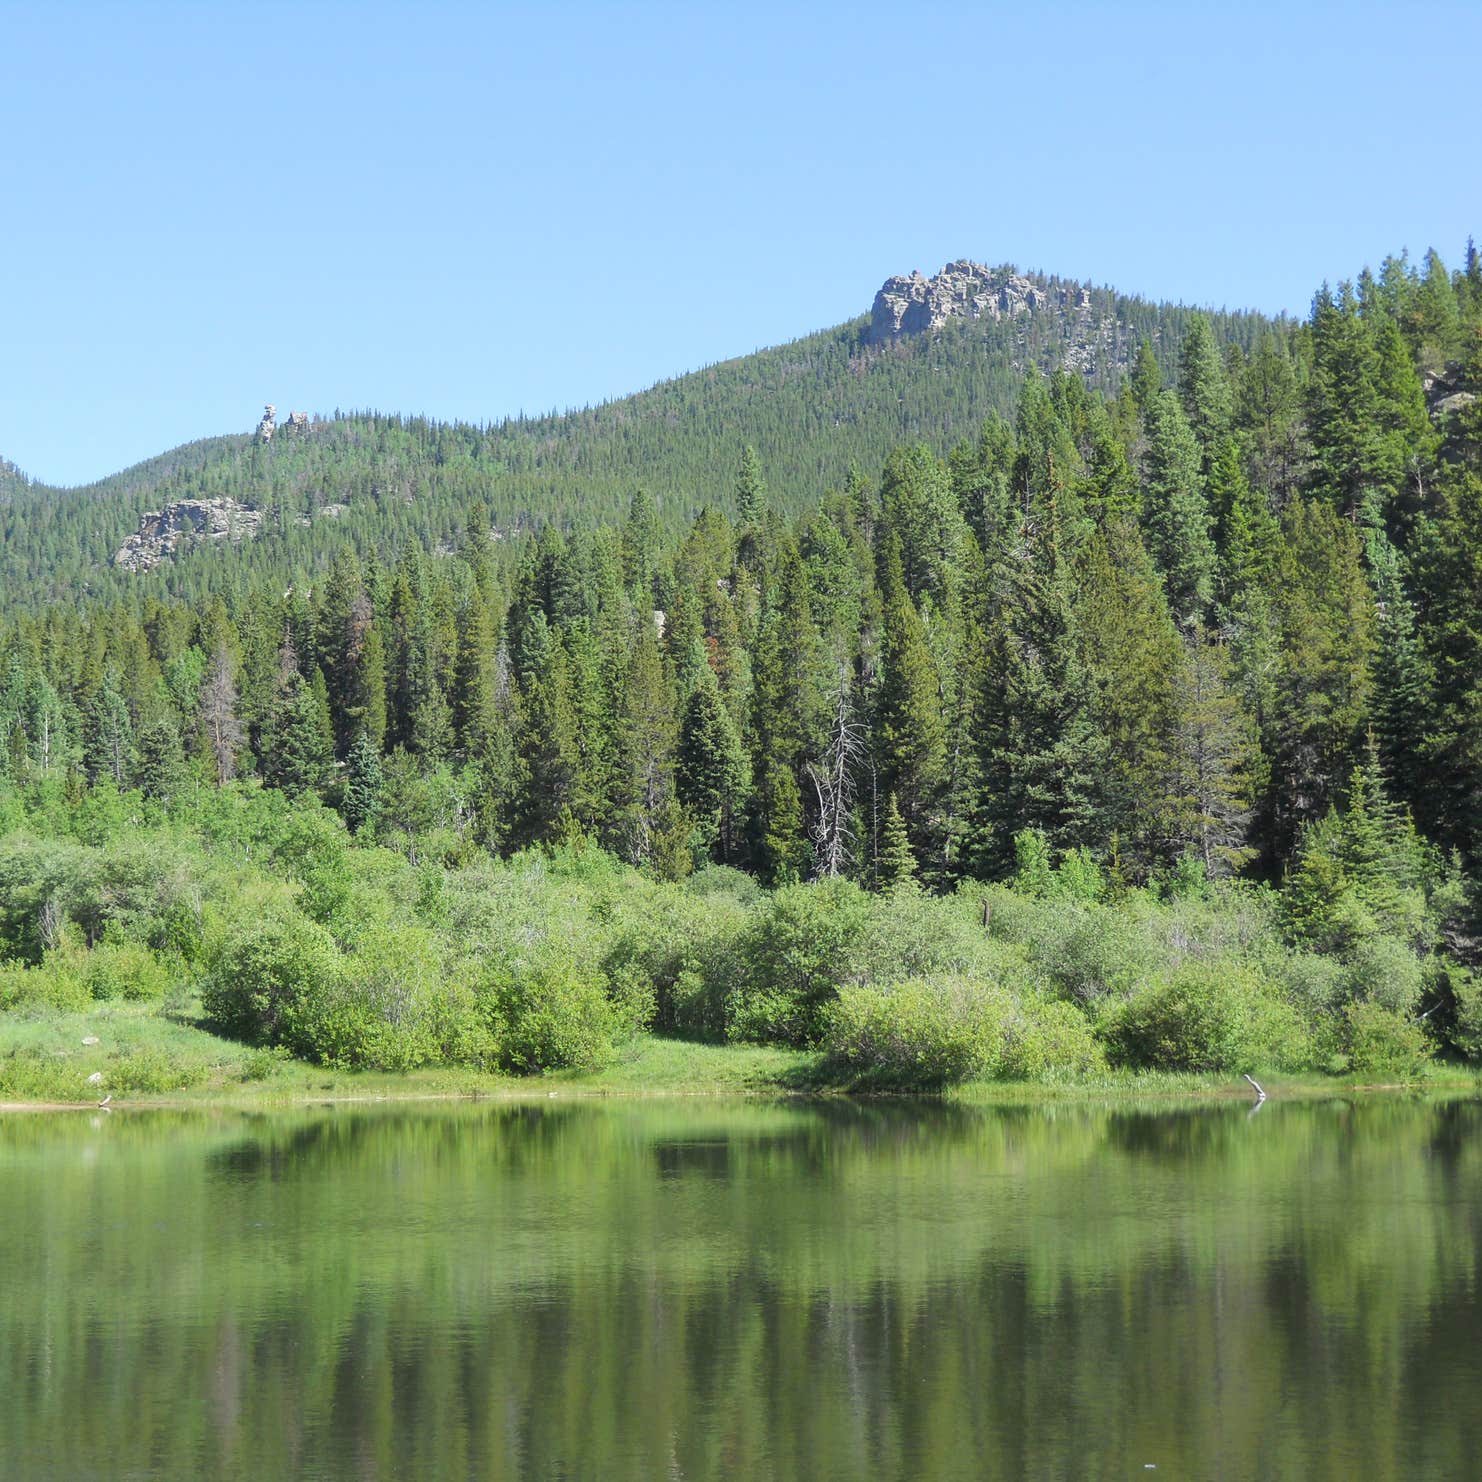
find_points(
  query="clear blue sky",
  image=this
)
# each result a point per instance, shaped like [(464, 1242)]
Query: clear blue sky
[(469, 210)]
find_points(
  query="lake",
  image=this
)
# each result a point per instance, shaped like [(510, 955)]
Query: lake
[(700, 1289)]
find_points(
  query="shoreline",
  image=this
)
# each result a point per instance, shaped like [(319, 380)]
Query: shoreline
[(677, 1070)]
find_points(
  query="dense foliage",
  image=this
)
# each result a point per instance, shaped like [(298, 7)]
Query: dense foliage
[(1186, 679)]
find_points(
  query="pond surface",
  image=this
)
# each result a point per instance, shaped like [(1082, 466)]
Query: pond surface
[(744, 1290)]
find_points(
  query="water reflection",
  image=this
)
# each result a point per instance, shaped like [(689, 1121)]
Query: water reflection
[(744, 1291)]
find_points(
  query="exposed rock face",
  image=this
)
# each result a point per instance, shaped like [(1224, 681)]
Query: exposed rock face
[(188, 522), (267, 427), (962, 290), (1446, 391)]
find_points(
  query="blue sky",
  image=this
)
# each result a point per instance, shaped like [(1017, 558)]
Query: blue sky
[(469, 210)]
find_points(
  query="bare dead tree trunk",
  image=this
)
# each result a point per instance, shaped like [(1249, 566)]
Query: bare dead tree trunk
[(834, 783)]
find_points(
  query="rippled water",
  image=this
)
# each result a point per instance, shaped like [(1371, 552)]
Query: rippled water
[(697, 1290)]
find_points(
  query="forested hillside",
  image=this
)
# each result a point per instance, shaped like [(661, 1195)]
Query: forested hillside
[(1212, 636), (812, 409)]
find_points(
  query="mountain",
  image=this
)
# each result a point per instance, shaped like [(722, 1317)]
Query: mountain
[(928, 363)]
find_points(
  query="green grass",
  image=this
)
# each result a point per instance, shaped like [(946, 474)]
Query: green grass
[(148, 1057)]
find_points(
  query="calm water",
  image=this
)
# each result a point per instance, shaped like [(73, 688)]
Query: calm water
[(744, 1291)]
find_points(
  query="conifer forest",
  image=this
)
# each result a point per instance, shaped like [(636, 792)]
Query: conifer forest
[(940, 710)]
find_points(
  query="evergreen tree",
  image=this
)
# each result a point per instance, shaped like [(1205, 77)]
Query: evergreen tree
[(108, 737), (1041, 755), (1135, 658), (1175, 514), (895, 865), (1323, 684), (363, 782), (161, 768), (711, 768), (1147, 377), (909, 738), (1204, 391)]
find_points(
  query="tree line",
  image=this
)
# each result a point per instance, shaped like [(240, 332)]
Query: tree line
[(1171, 625)]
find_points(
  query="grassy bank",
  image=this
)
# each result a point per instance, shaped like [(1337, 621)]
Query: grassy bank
[(146, 1059)]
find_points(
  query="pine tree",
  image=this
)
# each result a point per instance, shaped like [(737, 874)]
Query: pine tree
[(909, 739), (1268, 422), (1213, 754), (1041, 759), (640, 548), (921, 512), (1147, 377), (108, 737), (295, 758), (161, 768), (712, 772), (1135, 657), (1450, 565), (751, 510), (1175, 514), (1204, 391), (363, 782), (895, 865), (1323, 685), (646, 742)]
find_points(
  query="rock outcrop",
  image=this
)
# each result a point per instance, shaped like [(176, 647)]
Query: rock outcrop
[(962, 290), (268, 426), (187, 522)]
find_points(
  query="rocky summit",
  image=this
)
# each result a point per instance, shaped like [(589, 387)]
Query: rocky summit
[(912, 304)]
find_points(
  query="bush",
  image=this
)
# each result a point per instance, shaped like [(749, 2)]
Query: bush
[(263, 974), (1049, 1039), (792, 957), (722, 882), (390, 1007), (1099, 952), (1204, 1016), (556, 1018), (55, 983), (125, 970), (1383, 970), (917, 1035), (148, 1069), (1382, 1041)]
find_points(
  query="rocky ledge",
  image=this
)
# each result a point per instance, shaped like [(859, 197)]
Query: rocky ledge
[(189, 522), (962, 290)]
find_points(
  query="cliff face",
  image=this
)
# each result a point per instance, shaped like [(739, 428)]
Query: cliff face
[(186, 522)]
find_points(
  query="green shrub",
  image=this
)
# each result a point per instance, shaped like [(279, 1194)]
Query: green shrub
[(791, 959), (1204, 1016), (263, 974), (722, 882), (125, 970), (391, 1006), (54, 983), (1049, 1039), (917, 1035), (1461, 992), (1383, 970), (1097, 952), (556, 1018), (151, 1070), (1382, 1041), (261, 1064)]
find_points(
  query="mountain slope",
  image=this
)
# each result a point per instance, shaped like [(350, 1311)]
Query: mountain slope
[(957, 351)]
